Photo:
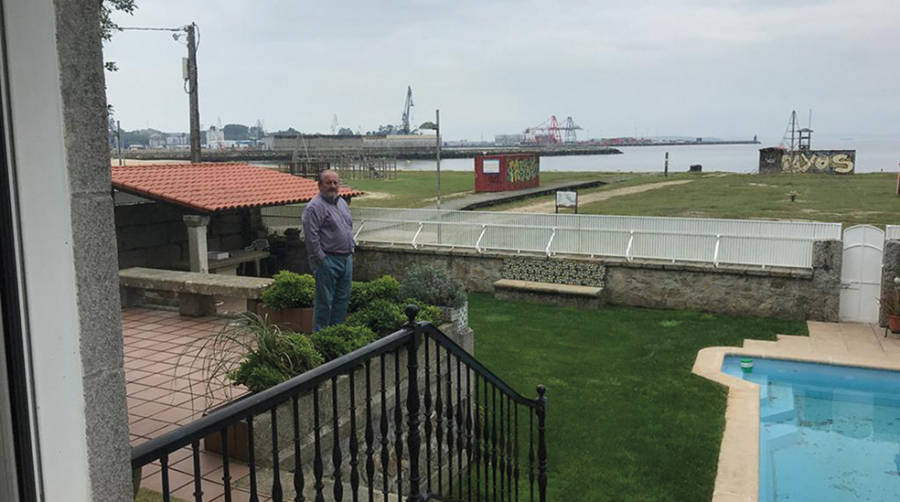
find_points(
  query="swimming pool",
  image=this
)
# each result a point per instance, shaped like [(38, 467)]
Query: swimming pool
[(827, 433)]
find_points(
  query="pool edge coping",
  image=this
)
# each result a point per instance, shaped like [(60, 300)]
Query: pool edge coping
[(737, 474)]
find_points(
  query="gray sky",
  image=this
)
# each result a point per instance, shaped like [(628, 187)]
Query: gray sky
[(727, 68)]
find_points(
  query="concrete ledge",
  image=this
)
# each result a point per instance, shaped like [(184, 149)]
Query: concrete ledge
[(547, 287), (196, 291), (586, 297), (193, 282)]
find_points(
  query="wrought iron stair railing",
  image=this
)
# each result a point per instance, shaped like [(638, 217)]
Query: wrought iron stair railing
[(462, 438)]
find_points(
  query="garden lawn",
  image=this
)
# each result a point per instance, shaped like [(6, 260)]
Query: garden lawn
[(627, 419)]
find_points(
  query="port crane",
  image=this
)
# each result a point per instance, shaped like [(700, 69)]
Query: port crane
[(549, 131), (407, 106)]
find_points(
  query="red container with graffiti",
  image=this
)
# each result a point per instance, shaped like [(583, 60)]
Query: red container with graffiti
[(507, 171)]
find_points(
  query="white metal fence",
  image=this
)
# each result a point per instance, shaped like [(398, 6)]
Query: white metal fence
[(716, 241)]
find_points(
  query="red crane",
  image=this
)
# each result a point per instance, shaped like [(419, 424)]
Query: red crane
[(548, 132)]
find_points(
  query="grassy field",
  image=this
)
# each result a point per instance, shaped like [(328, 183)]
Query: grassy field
[(627, 419), (417, 189), (851, 200)]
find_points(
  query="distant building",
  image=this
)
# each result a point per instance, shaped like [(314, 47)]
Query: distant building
[(157, 140), (288, 142), (215, 138), (509, 139), (177, 141)]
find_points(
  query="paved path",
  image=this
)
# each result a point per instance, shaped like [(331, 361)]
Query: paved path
[(840, 343), (550, 206), (485, 199)]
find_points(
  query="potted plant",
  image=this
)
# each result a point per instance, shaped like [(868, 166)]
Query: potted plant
[(257, 354), (435, 286), (890, 305), (288, 301)]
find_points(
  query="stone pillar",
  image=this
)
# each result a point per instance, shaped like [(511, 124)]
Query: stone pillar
[(889, 260), (53, 75), (196, 228)]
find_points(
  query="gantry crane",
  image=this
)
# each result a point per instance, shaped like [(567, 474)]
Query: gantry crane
[(549, 131)]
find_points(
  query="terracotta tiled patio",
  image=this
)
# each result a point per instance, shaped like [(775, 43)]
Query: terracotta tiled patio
[(166, 388)]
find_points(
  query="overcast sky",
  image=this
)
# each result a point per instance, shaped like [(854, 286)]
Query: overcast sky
[(725, 68)]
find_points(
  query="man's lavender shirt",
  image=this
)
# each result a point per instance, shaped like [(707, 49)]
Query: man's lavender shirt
[(327, 227)]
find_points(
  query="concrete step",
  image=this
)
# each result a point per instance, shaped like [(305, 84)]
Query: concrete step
[(778, 405), (759, 344), (794, 342)]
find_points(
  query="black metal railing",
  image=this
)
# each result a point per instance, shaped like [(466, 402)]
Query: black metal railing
[(461, 439)]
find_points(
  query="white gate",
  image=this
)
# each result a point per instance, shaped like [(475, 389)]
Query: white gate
[(861, 274)]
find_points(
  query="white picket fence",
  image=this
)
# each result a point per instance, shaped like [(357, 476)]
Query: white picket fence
[(703, 240)]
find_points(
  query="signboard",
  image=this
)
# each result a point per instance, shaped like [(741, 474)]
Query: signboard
[(491, 166), (566, 199)]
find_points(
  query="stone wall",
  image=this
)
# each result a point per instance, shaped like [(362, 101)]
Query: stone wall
[(889, 260), (779, 293), (739, 290), (154, 235)]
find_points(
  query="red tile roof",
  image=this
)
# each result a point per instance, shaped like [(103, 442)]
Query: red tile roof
[(211, 187)]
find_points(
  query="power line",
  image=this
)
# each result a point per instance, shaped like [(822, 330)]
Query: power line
[(144, 28)]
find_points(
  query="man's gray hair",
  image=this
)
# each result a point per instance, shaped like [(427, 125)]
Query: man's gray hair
[(321, 176)]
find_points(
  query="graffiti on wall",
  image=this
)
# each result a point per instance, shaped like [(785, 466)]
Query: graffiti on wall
[(819, 161), (523, 169)]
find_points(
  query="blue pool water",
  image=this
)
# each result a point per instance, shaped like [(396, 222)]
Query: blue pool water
[(827, 433)]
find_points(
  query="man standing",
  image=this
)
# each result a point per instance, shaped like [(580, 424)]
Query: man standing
[(328, 232)]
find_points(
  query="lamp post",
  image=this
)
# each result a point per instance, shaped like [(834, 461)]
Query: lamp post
[(436, 125)]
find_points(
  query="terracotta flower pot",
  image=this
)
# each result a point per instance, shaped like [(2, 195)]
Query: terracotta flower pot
[(296, 319), (894, 323)]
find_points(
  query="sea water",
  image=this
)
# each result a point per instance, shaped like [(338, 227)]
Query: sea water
[(873, 154)]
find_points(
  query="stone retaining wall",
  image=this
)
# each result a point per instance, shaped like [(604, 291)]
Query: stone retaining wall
[(741, 290), (779, 293), (889, 260)]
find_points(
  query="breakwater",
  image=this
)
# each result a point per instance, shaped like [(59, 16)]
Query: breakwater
[(403, 153)]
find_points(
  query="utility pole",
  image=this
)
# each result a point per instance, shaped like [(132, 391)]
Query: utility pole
[(666, 172), (192, 90), (437, 131)]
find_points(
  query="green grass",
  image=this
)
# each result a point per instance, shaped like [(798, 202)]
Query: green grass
[(417, 189), (851, 200), (627, 418)]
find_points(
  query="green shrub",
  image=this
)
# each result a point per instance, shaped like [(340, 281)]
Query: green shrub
[(381, 316), (271, 356), (427, 313), (383, 288), (433, 286), (359, 295), (335, 341), (290, 290), (257, 376)]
